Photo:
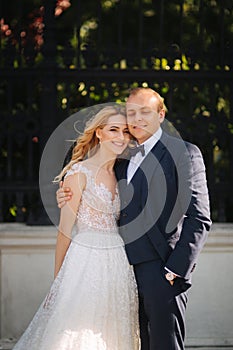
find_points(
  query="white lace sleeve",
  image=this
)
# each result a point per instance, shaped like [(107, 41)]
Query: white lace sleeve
[(73, 170)]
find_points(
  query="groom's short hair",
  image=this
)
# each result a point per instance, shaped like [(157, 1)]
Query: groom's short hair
[(140, 90)]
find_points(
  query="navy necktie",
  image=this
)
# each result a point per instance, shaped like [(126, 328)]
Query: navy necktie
[(133, 151)]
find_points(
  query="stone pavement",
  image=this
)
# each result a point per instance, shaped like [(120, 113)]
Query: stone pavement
[(7, 344)]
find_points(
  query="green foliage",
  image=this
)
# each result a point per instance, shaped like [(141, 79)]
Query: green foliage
[(182, 40), (182, 35)]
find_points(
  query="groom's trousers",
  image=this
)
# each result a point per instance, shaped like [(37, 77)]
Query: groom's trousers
[(161, 308)]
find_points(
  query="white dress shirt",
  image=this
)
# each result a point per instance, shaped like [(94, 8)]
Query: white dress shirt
[(136, 160)]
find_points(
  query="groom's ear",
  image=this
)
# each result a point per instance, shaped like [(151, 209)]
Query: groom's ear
[(162, 115)]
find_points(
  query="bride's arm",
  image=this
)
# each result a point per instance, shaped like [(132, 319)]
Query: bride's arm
[(67, 218)]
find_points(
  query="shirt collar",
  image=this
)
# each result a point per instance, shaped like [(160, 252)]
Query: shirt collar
[(150, 143)]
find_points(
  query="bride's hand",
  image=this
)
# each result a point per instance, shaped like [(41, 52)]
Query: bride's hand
[(63, 195)]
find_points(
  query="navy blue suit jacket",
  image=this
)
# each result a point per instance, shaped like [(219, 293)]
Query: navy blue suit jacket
[(165, 208)]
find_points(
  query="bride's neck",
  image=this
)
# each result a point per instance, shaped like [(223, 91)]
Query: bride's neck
[(101, 159)]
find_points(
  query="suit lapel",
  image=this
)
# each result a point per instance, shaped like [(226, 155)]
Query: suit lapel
[(152, 160), (121, 169)]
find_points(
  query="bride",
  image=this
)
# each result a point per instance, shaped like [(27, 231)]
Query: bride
[(92, 303)]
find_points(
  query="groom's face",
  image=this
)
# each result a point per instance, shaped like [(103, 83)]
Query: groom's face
[(143, 115)]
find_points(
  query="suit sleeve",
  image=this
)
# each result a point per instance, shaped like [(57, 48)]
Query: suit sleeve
[(197, 222)]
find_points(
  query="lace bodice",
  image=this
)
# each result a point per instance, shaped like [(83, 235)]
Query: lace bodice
[(98, 209)]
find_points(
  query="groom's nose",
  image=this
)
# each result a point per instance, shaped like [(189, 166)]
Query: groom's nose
[(138, 116)]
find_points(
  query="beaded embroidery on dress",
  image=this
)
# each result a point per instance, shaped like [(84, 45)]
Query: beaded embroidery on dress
[(93, 302)]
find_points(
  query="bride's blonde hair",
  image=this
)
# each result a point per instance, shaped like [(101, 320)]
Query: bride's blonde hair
[(87, 143)]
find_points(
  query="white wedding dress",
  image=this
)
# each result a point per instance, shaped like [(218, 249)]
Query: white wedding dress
[(92, 303)]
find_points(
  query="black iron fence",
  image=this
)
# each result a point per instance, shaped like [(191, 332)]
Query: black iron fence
[(51, 67)]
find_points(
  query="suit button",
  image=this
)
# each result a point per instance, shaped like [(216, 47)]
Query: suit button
[(124, 215)]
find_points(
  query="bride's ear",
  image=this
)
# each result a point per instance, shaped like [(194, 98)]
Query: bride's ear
[(98, 134)]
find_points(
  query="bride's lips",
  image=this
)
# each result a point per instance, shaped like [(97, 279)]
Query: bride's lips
[(119, 144)]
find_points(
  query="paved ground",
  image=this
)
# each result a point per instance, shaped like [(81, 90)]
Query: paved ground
[(7, 344)]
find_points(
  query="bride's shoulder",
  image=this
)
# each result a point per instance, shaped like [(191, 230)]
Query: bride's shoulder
[(78, 169), (75, 178)]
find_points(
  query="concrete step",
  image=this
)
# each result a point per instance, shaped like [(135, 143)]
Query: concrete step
[(7, 344)]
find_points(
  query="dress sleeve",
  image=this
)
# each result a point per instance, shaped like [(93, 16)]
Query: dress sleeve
[(73, 170)]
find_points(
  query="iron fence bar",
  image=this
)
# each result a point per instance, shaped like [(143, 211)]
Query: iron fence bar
[(123, 75)]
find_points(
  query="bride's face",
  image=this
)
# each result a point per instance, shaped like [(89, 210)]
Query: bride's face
[(114, 136)]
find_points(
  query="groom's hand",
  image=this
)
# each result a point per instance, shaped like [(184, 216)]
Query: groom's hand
[(63, 195)]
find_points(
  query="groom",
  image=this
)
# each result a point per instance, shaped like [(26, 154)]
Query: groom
[(164, 219)]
